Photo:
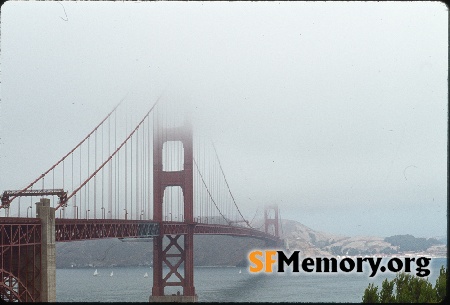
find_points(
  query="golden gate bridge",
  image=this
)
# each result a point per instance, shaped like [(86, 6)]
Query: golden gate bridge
[(153, 179)]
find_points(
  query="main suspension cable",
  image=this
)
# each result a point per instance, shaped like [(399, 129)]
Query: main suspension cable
[(204, 183), (226, 182), (65, 156), (110, 157)]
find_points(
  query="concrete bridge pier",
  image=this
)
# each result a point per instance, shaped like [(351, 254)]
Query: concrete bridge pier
[(48, 250), (173, 299)]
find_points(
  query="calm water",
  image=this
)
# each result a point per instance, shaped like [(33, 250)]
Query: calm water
[(221, 284)]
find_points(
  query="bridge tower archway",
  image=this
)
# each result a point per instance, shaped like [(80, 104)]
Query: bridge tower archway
[(271, 220), (178, 252)]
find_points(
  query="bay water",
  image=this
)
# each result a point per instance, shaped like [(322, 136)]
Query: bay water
[(224, 284)]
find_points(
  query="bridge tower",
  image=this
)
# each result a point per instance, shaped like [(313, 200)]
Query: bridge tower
[(271, 220), (184, 254)]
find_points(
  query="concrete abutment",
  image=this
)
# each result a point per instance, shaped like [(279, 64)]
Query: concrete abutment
[(48, 251)]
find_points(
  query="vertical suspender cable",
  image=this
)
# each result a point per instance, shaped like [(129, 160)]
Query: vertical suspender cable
[(74, 200), (164, 114), (126, 168), (88, 189), (131, 174), (144, 169), (63, 167), (210, 182), (205, 204), (142, 175), (80, 212), (103, 177), (95, 177), (180, 161), (137, 176), (150, 165), (53, 186), (142, 193), (110, 173), (117, 173)]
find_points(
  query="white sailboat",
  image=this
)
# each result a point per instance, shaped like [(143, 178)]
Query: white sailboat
[(112, 273), (95, 272), (240, 271), (145, 275)]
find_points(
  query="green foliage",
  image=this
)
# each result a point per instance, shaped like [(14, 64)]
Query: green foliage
[(441, 284), (388, 250), (353, 252), (387, 292), (411, 243), (370, 295), (406, 288), (412, 289), (336, 250)]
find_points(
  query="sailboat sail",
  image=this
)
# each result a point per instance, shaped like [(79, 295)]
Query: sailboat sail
[(112, 273), (145, 275), (95, 272)]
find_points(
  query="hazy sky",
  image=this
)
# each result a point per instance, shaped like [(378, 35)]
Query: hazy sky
[(336, 111)]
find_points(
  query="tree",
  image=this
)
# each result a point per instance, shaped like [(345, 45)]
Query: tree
[(406, 288), (411, 243), (387, 292), (370, 294), (411, 289), (441, 284)]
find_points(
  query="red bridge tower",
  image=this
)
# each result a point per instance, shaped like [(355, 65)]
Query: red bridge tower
[(271, 220), (173, 255)]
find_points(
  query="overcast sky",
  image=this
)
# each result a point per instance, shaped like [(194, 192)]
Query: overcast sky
[(336, 111)]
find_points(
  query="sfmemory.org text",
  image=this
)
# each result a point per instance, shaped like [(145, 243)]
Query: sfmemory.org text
[(264, 261)]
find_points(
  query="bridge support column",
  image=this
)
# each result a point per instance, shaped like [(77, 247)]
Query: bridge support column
[(177, 255), (173, 255), (271, 222), (48, 251)]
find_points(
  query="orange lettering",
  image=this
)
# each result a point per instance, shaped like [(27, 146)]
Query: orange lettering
[(269, 260), (258, 263)]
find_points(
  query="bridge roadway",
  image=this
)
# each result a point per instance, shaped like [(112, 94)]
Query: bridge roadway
[(83, 229)]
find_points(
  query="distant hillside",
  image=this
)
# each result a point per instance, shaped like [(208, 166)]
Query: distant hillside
[(411, 243), (231, 251), (315, 243), (209, 251), (441, 239)]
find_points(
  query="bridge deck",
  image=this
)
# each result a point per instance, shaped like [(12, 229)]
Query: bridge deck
[(83, 229)]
